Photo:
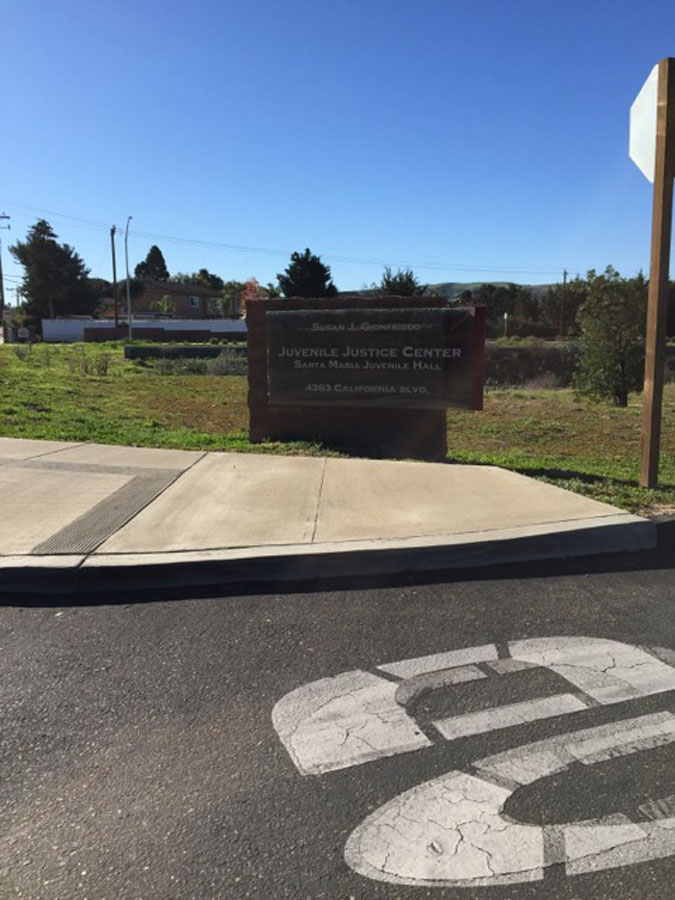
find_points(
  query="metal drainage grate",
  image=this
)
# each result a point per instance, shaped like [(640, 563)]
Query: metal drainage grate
[(93, 527)]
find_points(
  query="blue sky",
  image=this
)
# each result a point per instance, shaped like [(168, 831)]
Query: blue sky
[(485, 139)]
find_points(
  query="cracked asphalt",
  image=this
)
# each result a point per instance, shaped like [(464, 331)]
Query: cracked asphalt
[(138, 760)]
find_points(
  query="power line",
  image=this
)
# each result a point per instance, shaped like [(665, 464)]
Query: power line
[(51, 212), (331, 257)]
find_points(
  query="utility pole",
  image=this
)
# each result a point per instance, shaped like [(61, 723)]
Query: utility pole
[(563, 297), (3, 218), (114, 267), (126, 259)]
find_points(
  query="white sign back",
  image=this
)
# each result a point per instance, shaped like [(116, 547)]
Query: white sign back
[(642, 141)]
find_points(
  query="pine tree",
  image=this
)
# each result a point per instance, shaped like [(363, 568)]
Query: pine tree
[(402, 284), (153, 267), (306, 276), (56, 280)]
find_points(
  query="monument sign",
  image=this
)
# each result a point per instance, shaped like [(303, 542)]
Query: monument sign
[(378, 377)]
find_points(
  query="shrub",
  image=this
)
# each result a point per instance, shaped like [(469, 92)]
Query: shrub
[(227, 362), (547, 381), (612, 342), (186, 366), (102, 363), (21, 351), (82, 364)]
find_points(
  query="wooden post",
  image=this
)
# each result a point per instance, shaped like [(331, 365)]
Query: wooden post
[(658, 275)]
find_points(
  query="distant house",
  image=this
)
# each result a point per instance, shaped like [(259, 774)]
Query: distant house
[(170, 299)]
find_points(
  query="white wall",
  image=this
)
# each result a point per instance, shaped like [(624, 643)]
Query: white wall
[(64, 331), (215, 325), (69, 330)]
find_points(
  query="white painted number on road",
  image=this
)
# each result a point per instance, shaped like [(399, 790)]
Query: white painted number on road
[(451, 831), (356, 717)]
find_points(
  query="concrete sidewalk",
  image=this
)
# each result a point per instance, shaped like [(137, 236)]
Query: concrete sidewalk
[(89, 517)]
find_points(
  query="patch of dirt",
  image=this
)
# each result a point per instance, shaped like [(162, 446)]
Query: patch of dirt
[(666, 511)]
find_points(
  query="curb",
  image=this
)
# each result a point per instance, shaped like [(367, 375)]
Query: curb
[(97, 574), (665, 531)]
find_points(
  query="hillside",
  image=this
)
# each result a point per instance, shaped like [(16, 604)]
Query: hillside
[(454, 289)]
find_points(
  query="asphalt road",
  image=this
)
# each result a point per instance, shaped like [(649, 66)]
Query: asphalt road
[(139, 758)]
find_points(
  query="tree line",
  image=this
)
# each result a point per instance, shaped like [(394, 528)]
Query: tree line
[(57, 282)]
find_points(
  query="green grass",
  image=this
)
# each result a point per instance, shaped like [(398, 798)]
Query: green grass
[(52, 394), (88, 392)]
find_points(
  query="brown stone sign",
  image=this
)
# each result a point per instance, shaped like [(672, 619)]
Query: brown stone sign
[(376, 378)]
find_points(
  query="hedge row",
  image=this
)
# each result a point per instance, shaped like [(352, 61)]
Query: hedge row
[(552, 365), (544, 365), (181, 351)]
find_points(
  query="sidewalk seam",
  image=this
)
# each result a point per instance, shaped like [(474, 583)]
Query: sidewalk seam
[(49, 452), (318, 499)]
